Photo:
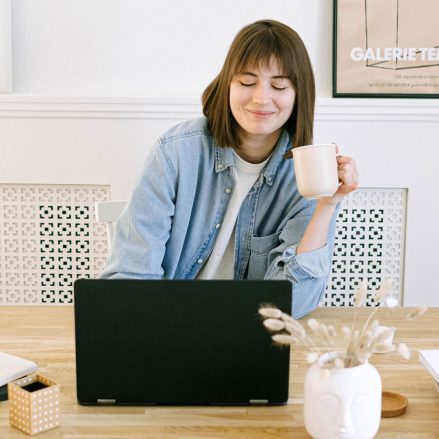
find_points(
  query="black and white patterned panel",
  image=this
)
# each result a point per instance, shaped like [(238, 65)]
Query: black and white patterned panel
[(369, 244), (48, 238)]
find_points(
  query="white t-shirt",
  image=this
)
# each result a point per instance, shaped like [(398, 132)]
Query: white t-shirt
[(221, 262)]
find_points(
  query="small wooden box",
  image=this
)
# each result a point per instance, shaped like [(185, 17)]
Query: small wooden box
[(34, 404)]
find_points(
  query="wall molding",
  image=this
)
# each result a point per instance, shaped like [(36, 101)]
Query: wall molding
[(112, 107)]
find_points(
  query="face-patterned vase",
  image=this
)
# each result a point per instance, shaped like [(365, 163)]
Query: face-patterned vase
[(342, 403)]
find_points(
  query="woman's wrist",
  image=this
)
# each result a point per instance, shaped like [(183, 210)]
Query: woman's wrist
[(316, 234), (326, 205)]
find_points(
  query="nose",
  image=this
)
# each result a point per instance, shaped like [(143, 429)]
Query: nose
[(344, 421), (261, 94)]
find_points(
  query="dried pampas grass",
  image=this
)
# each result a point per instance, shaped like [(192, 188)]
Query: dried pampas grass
[(359, 343)]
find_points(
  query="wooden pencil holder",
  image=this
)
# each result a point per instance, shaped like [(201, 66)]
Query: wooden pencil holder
[(34, 404)]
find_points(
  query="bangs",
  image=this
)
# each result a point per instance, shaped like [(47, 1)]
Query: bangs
[(259, 52)]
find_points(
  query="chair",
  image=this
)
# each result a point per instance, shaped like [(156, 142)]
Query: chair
[(108, 212)]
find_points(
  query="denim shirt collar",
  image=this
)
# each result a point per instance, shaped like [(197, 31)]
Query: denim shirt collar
[(224, 157)]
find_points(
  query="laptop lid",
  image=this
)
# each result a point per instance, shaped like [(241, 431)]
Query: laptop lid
[(178, 342)]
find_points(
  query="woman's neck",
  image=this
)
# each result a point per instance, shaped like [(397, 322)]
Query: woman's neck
[(256, 148)]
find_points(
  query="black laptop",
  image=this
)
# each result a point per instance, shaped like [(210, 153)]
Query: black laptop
[(178, 342)]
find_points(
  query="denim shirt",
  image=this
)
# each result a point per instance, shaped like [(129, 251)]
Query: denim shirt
[(169, 226)]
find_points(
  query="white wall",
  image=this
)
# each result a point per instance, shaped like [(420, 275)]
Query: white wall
[(5, 46), (95, 82), (121, 47)]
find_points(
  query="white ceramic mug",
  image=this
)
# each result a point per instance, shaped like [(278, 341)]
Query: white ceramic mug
[(387, 344), (316, 170)]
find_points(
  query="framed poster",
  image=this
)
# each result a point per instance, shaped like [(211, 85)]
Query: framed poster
[(386, 48), (5, 47)]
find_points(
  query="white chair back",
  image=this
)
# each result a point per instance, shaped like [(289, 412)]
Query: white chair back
[(108, 212)]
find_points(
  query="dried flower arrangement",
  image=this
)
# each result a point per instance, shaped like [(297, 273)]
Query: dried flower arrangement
[(359, 343)]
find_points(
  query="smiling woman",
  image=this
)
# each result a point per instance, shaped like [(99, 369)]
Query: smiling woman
[(276, 50), (218, 198)]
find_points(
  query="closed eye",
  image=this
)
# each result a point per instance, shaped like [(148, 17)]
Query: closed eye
[(250, 84)]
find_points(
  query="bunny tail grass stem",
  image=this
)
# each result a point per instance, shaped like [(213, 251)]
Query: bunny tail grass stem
[(312, 344), (366, 325)]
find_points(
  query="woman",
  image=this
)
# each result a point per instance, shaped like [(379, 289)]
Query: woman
[(218, 198)]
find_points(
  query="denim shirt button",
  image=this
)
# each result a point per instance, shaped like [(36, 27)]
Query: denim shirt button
[(228, 190), (220, 166), (217, 226), (200, 261)]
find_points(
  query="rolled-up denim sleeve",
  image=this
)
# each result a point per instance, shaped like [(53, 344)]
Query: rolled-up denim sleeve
[(143, 229), (308, 272)]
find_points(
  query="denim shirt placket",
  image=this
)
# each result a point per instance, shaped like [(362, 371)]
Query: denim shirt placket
[(222, 167), (245, 224)]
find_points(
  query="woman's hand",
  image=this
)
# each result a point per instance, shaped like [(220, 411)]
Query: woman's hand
[(316, 234), (348, 177)]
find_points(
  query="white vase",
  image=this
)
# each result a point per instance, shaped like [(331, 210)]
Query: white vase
[(342, 403)]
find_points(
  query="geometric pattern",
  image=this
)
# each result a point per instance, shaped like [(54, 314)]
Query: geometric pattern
[(370, 242), (48, 239)]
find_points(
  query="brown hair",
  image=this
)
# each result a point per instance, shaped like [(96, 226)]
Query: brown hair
[(256, 44)]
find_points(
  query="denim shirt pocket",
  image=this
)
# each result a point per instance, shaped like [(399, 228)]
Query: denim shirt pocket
[(260, 247)]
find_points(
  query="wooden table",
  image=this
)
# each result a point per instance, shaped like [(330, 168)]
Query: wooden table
[(46, 335)]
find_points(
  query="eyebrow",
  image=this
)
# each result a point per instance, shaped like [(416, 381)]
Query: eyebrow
[(255, 76)]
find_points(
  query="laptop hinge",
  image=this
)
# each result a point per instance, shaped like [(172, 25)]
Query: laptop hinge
[(259, 401), (106, 401)]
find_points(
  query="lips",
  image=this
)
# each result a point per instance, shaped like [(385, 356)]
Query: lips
[(260, 113), (344, 434)]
